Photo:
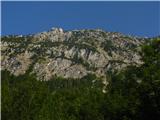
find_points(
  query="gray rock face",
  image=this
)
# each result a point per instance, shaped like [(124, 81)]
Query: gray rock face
[(69, 54)]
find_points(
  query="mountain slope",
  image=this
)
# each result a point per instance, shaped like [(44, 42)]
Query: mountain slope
[(69, 54)]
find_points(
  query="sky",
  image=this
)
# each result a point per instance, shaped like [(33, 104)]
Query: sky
[(131, 18)]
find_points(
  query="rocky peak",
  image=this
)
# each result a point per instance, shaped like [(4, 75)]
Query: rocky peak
[(57, 30), (70, 54)]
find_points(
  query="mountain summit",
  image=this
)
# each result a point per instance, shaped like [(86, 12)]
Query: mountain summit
[(69, 54)]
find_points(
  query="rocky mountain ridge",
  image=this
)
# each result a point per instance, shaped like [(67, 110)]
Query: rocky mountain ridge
[(69, 54)]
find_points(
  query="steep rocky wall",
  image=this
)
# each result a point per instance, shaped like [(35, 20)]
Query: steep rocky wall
[(69, 54)]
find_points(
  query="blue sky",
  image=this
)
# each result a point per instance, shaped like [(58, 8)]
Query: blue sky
[(134, 18)]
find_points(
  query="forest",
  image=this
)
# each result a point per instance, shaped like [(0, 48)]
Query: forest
[(132, 94)]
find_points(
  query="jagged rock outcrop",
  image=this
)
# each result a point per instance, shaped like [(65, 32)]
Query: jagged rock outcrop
[(69, 54)]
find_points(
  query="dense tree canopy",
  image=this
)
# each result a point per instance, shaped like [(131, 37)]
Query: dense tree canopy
[(133, 94)]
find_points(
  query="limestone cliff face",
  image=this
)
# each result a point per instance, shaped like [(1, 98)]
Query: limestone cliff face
[(69, 54)]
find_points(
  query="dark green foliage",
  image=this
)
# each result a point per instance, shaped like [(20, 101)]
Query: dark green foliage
[(109, 46), (86, 46), (140, 86), (13, 39), (16, 44), (26, 98), (22, 97), (150, 85), (133, 94)]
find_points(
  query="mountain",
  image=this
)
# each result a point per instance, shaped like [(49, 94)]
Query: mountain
[(70, 54)]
